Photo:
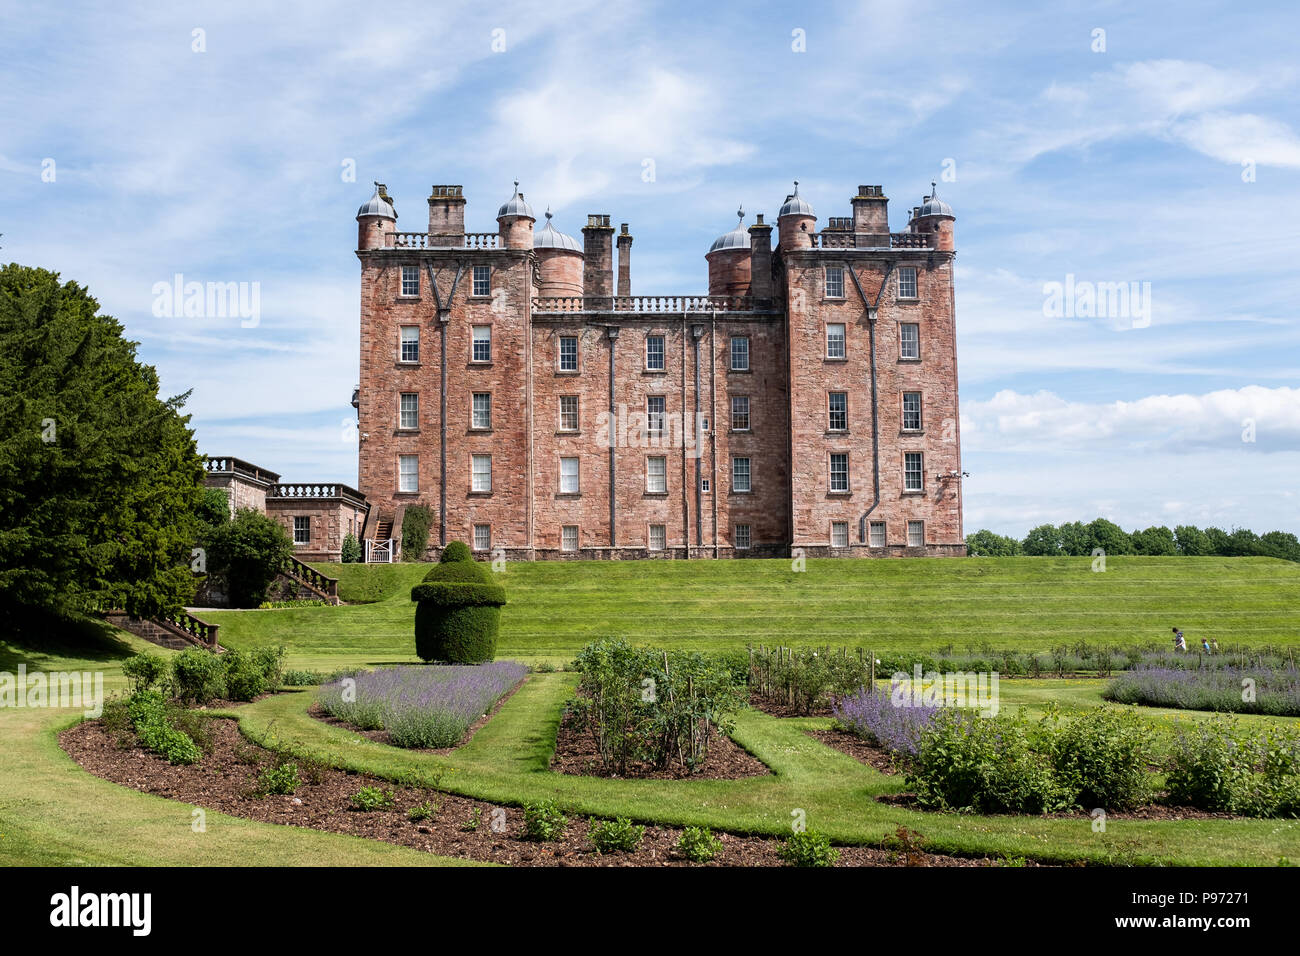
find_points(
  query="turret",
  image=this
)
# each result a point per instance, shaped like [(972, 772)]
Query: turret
[(376, 220), (934, 217), (795, 222), (729, 261), (515, 222), (559, 261)]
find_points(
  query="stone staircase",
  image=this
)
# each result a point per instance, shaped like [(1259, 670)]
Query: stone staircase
[(308, 579), (180, 631)]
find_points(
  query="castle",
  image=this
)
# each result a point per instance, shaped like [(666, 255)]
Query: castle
[(512, 382)]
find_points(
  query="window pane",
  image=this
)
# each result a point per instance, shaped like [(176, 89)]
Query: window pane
[(877, 534), (482, 343), (569, 538), (568, 353), (915, 534), (569, 476), (301, 529), (410, 280), (569, 413), (912, 410), (656, 474), (839, 472), (654, 418), (839, 534), (410, 410), (482, 285), (658, 537), (482, 415), (835, 340), (834, 282), (742, 536), (740, 353), (654, 352), (482, 537), (408, 473), (838, 408), (912, 480), (907, 282), (740, 412), (410, 343), (481, 479), (740, 474), (909, 340)]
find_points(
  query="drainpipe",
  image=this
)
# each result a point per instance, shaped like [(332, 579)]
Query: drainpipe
[(713, 424), (443, 318), (611, 333), (696, 332), (875, 405)]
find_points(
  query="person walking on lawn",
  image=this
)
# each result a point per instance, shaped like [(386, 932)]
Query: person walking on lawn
[(1179, 643)]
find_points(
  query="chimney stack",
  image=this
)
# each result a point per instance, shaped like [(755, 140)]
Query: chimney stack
[(760, 260), (624, 262), (598, 265), (871, 215), (446, 211)]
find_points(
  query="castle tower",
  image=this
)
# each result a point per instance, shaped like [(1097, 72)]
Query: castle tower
[(515, 222), (795, 222), (376, 220), (559, 261), (729, 261), (934, 217)]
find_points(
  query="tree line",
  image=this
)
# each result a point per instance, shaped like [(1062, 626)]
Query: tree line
[(1079, 539)]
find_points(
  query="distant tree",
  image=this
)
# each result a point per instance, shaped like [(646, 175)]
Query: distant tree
[(1243, 543), (1280, 544), (1218, 541), (1044, 540), (1157, 540), (100, 480), (1191, 541), (214, 508), (986, 544), (248, 551), (1108, 536), (1075, 539)]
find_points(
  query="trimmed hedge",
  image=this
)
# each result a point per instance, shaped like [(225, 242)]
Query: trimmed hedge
[(458, 609)]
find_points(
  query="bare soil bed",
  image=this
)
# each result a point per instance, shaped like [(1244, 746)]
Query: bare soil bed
[(864, 751), (225, 780)]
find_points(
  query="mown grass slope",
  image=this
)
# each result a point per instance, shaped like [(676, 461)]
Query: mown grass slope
[(1014, 603)]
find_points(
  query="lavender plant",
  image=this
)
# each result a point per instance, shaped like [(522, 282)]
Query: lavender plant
[(874, 717), (1275, 690), (421, 706)]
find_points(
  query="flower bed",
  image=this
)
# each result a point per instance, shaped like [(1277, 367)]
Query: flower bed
[(420, 706), (1274, 691)]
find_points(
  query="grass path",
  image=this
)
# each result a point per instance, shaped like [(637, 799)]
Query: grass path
[(922, 603)]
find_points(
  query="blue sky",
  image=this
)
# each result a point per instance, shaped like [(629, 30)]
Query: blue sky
[(1171, 157)]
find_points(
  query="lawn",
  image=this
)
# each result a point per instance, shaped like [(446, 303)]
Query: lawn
[(922, 603)]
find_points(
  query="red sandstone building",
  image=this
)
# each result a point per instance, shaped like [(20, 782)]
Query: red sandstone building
[(513, 383)]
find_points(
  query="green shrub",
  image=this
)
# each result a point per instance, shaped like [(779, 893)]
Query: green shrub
[(458, 610), (282, 780), (544, 822), (369, 799), (351, 552), (416, 522), (984, 764), (250, 674), (302, 678), (699, 845), (249, 552), (616, 836), (1102, 756), (422, 811), (144, 671), (198, 676), (1211, 767), (808, 848), (148, 714)]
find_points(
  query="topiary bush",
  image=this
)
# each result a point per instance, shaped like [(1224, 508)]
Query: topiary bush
[(458, 609)]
